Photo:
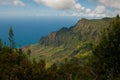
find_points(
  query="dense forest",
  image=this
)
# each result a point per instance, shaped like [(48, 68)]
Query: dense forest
[(102, 64)]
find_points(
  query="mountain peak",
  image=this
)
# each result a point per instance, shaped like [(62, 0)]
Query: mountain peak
[(84, 19)]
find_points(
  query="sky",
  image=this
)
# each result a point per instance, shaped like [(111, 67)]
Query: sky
[(77, 8)]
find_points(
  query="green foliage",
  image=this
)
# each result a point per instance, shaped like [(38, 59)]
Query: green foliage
[(29, 52), (11, 37), (1, 45), (107, 52), (16, 66)]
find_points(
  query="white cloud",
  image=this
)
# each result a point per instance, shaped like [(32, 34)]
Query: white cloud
[(57, 4), (60, 4), (78, 6), (18, 3), (88, 10), (111, 3), (100, 9), (12, 2), (75, 8)]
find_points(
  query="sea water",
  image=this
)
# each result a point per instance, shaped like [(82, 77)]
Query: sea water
[(29, 30)]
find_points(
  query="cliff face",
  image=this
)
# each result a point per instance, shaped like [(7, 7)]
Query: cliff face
[(84, 30), (55, 38), (69, 42)]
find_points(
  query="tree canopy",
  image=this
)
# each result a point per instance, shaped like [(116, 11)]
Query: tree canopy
[(107, 52)]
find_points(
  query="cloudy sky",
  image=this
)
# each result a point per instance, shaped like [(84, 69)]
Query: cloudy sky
[(83, 8)]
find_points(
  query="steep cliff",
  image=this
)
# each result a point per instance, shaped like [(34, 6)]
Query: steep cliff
[(84, 30), (69, 42)]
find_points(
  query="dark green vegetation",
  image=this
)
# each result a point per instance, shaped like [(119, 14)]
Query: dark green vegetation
[(107, 53), (90, 50)]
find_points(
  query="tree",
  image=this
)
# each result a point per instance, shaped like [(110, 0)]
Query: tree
[(20, 53), (106, 62), (1, 45), (11, 38), (29, 52)]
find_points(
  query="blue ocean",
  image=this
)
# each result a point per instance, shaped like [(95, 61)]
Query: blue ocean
[(29, 30)]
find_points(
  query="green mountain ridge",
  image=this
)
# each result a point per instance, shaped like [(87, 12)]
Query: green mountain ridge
[(75, 41), (84, 29)]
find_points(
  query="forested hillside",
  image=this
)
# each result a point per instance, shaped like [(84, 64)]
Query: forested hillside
[(67, 43)]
